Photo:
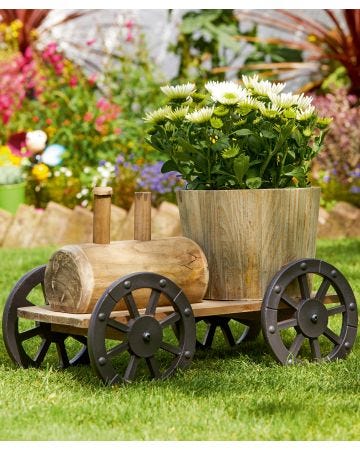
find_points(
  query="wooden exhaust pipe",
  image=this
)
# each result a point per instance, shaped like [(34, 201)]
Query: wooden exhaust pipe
[(102, 214), (142, 216)]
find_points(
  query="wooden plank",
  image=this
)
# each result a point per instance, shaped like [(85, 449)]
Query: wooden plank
[(204, 309)]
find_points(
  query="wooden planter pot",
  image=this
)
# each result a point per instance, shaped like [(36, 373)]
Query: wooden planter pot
[(248, 235)]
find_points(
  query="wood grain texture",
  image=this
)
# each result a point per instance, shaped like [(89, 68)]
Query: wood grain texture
[(76, 276), (248, 235), (142, 216), (67, 322), (102, 215)]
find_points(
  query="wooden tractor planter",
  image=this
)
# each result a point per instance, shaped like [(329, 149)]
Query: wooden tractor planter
[(132, 306)]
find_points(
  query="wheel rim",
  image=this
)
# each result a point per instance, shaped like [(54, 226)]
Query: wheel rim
[(214, 324), (144, 335), (17, 340), (308, 317)]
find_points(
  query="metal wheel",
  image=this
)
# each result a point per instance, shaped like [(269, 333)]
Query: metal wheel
[(244, 331), (28, 342), (163, 342), (309, 327)]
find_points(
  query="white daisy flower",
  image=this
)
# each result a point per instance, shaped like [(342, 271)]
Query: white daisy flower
[(179, 91), (178, 113), (249, 102), (158, 115), (264, 87), (201, 115), (269, 110), (283, 100), (248, 81), (305, 114), (304, 102), (227, 93)]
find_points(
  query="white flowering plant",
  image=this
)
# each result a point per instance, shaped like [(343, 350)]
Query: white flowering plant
[(237, 135)]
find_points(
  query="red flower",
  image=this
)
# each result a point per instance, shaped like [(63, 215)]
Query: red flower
[(88, 116), (35, 119), (16, 143), (73, 81), (48, 121)]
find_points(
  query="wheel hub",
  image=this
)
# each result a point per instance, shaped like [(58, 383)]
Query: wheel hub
[(145, 336), (312, 318)]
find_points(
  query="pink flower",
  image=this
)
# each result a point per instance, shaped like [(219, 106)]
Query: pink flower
[(129, 37), (117, 131), (92, 79), (73, 81), (103, 104), (100, 120), (90, 42), (88, 116), (129, 24)]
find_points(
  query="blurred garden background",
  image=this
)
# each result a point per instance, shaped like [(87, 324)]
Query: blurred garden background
[(87, 78)]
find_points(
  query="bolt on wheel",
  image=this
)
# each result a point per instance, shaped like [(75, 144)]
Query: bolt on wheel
[(299, 324), (149, 341), (29, 342)]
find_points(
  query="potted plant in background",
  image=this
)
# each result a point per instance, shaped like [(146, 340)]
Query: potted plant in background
[(245, 152)]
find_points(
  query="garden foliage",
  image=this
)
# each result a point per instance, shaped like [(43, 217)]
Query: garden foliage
[(235, 137)]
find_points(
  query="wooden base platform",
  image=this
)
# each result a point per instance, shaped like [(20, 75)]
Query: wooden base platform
[(204, 309)]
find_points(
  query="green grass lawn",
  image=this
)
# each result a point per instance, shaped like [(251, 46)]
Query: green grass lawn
[(226, 394)]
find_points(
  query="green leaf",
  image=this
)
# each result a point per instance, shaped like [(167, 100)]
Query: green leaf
[(241, 166), (243, 132), (268, 133), (169, 166), (253, 183)]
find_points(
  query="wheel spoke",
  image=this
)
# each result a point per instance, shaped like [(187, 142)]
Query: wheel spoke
[(28, 334), (43, 291), (170, 348), (337, 310), (153, 301), (320, 295), (153, 366), (334, 338), (131, 368), (131, 306), (304, 286), (289, 301), (228, 334), (296, 345), (315, 349), (62, 353), (209, 335), (287, 323), (119, 326), (170, 320), (44, 347), (120, 348), (79, 338)]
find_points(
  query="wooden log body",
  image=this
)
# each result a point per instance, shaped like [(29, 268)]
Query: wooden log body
[(77, 275), (247, 235)]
